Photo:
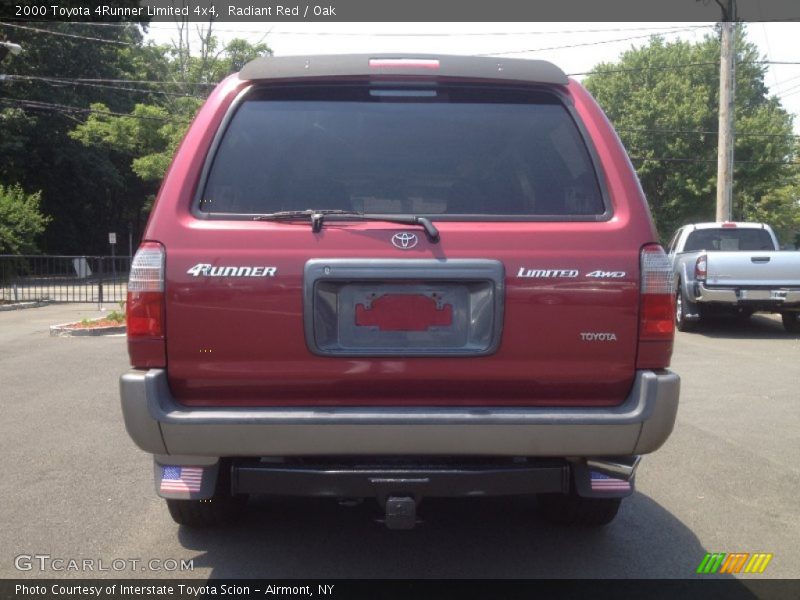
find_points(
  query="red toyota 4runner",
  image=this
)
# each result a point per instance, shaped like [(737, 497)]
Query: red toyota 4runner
[(398, 277)]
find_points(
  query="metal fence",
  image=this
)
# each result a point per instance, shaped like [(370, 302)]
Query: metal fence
[(33, 278)]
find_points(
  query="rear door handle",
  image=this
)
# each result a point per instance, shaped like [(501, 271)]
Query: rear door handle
[(760, 259)]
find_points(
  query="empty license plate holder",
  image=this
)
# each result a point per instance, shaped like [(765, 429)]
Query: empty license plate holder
[(361, 307)]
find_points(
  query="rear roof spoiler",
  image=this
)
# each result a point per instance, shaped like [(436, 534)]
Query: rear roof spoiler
[(427, 65)]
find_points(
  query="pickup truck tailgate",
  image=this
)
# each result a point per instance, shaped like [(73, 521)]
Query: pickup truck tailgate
[(757, 268)]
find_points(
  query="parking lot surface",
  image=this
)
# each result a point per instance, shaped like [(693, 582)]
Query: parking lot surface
[(75, 486)]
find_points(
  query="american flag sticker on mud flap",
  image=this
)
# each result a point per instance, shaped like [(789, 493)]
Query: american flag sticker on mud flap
[(181, 479), (603, 483)]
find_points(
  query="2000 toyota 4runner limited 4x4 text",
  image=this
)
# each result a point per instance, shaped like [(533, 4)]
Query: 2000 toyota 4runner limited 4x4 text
[(399, 277)]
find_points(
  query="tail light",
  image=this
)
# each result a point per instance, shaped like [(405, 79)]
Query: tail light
[(701, 267), (404, 63), (145, 307), (657, 309)]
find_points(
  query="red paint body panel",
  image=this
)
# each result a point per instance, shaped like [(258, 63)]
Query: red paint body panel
[(240, 340)]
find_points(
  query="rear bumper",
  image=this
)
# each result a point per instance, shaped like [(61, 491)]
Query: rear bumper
[(158, 424), (777, 298)]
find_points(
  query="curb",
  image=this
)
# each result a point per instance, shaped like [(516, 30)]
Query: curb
[(64, 330), (24, 305)]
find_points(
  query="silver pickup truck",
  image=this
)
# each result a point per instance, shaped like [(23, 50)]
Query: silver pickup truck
[(736, 268)]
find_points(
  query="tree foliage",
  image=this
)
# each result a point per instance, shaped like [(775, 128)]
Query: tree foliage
[(97, 151), (21, 221), (150, 134), (86, 192), (662, 96)]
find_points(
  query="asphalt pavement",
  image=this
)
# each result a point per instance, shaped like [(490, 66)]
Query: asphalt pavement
[(76, 488)]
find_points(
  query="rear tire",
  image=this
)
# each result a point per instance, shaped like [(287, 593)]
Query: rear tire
[(572, 510), (219, 510), (681, 304), (791, 321)]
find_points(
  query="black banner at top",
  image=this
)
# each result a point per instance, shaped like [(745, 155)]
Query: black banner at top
[(285, 11)]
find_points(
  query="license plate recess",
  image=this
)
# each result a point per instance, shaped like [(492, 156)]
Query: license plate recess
[(403, 307)]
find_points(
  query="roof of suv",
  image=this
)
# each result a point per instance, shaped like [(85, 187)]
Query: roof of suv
[(362, 65)]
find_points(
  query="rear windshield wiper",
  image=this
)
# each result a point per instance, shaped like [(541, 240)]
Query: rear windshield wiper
[(318, 216)]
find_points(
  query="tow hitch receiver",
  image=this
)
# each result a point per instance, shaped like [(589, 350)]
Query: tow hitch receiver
[(401, 512), (400, 485)]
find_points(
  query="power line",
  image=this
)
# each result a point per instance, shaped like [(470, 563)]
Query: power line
[(69, 35), (683, 66), (92, 23), (65, 82), (709, 160), (35, 104), (124, 81), (625, 39), (144, 81), (705, 132), (782, 81), (460, 34), (634, 69), (789, 89), (784, 95), (391, 34)]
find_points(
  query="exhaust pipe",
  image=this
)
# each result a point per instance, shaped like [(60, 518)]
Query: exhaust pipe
[(619, 467)]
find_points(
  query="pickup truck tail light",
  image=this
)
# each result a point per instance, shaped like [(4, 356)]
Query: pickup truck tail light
[(656, 310), (700, 268), (145, 307)]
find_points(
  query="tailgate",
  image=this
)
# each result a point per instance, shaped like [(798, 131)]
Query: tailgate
[(754, 269), (481, 318)]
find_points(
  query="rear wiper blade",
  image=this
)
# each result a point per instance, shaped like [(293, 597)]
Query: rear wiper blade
[(293, 215), (318, 216), (424, 222)]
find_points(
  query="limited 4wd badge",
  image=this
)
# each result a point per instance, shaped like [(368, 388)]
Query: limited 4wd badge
[(207, 270), (547, 273), (607, 274)]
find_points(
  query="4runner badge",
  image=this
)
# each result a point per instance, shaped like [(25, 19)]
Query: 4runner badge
[(206, 270)]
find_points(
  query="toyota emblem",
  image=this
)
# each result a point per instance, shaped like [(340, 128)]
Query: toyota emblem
[(404, 240)]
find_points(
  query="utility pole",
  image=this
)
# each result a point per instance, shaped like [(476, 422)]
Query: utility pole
[(727, 82)]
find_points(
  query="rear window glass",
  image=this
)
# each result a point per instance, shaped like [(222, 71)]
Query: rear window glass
[(728, 240), (428, 151)]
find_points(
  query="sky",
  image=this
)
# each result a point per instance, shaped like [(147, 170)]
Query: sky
[(593, 42)]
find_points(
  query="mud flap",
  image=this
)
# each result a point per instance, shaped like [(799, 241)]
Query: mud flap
[(593, 484), (179, 481)]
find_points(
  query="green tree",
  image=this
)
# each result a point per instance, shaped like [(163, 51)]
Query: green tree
[(658, 96), (21, 221), (86, 191), (150, 133), (98, 149), (780, 208)]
